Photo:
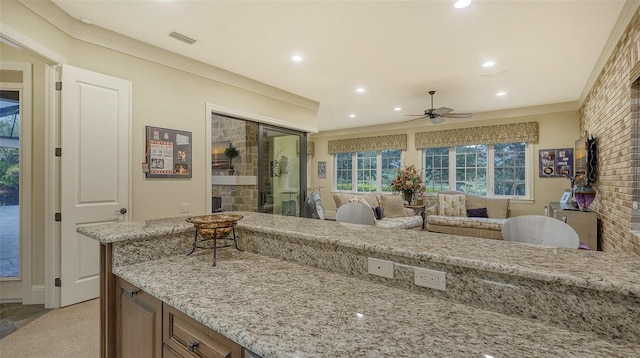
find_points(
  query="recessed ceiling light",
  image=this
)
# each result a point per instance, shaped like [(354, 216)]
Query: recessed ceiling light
[(397, 109), (352, 116), (360, 90), (297, 58), (462, 3), (488, 64), (499, 94)]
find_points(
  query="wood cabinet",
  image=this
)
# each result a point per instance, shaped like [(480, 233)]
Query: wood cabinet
[(147, 327), (585, 223), (189, 338), (138, 322)]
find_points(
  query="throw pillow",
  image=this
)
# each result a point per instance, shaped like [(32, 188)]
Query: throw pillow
[(342, 199), (379, 213), (477, 213), (451, 205), (392, 205)]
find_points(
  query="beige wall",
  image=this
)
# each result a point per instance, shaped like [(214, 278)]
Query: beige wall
[(606, 114), (557, 130), (162, 96)]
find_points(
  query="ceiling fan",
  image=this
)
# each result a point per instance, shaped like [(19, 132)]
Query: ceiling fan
[(437, 116)]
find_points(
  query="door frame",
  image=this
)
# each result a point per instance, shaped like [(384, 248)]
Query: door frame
[(302, 159), (211, 109), (28, 293), (16, 39)]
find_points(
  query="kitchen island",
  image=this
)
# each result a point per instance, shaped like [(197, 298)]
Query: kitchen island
[(302, 290)]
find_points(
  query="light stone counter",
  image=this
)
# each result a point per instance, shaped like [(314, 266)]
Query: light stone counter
[(578, 303), (283, 309)]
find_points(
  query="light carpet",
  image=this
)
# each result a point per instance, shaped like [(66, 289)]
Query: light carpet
[(72, 331)]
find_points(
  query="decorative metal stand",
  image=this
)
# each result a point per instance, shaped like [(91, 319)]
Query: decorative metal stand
[(213, 228)]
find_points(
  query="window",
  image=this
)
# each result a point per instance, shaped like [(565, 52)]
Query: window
[(471, 169), (436, 169), (344, 174), (498, 169), (509, 169), (367, 171)]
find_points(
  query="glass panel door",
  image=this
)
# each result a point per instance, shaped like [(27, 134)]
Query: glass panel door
[(282, 168), (9, 184)]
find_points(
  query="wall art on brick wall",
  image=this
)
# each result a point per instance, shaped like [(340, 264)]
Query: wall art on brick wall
[(556, 162), (168, 153)]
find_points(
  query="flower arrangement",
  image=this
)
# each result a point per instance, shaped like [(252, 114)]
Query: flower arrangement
[(408, 181)]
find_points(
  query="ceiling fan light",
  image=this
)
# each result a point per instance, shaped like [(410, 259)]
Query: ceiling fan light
[(437, 119)]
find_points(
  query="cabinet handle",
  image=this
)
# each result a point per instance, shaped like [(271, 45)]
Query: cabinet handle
[(132, 293), (192, 345)]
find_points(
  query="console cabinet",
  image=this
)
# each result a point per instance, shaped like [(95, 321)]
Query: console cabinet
[(585, 223)]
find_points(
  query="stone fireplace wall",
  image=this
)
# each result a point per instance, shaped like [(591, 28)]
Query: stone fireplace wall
[(244, 136)]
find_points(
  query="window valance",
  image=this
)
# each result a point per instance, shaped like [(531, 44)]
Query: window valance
[(502, 133), (385, 142)]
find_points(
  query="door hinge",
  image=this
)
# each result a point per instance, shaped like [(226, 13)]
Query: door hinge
[(58, 152), (58, 216), (58, 86), (57, 282)]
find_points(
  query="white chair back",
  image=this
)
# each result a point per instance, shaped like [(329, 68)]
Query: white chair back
[(356, 213), (541, 230)]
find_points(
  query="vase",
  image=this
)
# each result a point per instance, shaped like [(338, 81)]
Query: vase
[(584, 196), (408, 196)]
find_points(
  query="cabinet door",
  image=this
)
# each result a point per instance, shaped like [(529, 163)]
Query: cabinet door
[(139, 322), (192, 339)]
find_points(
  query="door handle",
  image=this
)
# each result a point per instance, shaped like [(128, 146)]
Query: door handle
[(122, 211), (192, 346)]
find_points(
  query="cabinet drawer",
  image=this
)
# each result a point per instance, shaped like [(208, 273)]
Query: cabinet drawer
[(192, 339)]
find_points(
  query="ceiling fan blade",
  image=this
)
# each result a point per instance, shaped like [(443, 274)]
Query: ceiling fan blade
[(415, 119), (458, 115), (442, 110), (413, 115)]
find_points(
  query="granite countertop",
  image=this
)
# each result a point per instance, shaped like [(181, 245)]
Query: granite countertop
[(282, 309), (589, 269)]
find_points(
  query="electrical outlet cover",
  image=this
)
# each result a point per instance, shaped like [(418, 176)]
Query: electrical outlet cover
[(380, 268), (431, 278)]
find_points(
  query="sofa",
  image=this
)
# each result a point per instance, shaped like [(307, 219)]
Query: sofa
[(466, 214), (388, 210)]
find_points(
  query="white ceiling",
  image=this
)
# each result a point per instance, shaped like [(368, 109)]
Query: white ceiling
[(397, 50)]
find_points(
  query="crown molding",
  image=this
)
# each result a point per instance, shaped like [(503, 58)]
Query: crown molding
[(74, 28), (476, 120), (626, 15)]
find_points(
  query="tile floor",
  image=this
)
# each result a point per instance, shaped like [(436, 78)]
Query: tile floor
[(14, 316), (9, 241)]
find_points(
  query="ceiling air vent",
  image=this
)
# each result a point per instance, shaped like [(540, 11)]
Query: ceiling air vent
[(180, 37)]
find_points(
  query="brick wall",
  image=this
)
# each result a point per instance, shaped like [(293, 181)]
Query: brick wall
[(607, 115), (244, 136)]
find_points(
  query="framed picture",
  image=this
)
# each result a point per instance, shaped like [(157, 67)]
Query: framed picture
[(322, 170), (565, 197), (168, 153), (218, 159), (556, 162)]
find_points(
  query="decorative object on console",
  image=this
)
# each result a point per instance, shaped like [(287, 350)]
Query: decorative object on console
[(584, 195), (231, 152), (408, 182), (214, 227)]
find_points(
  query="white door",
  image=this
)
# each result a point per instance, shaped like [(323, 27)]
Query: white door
[(95, 123)]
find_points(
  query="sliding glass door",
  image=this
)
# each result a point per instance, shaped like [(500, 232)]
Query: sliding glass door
[(282, 168)]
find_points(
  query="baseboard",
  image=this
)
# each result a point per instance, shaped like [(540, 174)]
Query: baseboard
[(35, 296)]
